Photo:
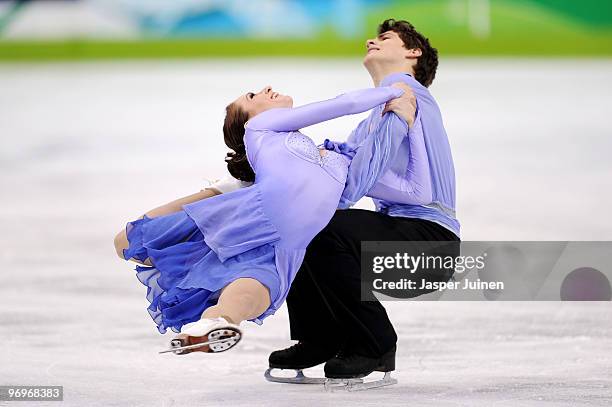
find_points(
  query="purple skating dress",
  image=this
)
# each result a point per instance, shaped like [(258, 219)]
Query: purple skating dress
[(260, 231)]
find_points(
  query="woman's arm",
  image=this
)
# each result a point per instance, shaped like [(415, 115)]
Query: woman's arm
[(121, 240), (177, 205), (290, 119), (228, 184)]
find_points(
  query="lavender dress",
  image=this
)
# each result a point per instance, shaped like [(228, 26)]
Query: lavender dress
[(261, 231)]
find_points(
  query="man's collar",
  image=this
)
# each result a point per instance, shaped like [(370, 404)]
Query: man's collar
[(394, 77)]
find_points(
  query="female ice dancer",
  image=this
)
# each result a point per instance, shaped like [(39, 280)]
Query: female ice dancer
[(210, 264)]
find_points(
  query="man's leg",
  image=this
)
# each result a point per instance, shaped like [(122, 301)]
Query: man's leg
[(317, 342), (313, 309), (307, 302), (333, 272)]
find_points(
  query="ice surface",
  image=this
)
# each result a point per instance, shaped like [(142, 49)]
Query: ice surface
[(88, 146)]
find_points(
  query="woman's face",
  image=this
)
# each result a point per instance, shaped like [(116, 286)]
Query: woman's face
[(255, 103)]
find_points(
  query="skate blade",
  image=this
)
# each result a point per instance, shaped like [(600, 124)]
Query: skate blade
[(219, 340), (358, 384), (299, 378)]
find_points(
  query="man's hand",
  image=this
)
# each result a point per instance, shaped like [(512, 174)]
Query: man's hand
[(405, 105)]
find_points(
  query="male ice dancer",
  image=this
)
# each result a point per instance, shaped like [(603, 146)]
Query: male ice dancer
[(327, 316)]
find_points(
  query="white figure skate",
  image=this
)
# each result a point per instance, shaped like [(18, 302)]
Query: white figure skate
[(210, 335)]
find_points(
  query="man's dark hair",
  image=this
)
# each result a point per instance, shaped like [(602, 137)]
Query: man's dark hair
[(427, 63)]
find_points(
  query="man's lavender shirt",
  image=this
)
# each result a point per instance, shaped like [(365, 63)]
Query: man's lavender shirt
[(404, 190)]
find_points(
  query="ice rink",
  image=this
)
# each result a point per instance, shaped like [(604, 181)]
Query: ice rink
[(87, 147)]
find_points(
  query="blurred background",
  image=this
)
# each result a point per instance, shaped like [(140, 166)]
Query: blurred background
[(109, 108), (73, 29)]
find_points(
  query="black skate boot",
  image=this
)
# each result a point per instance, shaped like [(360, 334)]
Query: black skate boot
[(346, 370), (300, 356)]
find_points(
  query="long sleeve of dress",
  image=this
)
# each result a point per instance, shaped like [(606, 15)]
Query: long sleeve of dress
[(292, 119)]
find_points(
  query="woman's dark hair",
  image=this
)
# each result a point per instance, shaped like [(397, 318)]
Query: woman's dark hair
[(427, 63), (233, 134)]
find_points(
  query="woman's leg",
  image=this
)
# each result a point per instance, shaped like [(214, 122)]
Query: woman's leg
[(122, 243), (242, 299)]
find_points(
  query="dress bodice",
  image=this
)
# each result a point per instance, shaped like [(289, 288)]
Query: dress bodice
[(304, 147)]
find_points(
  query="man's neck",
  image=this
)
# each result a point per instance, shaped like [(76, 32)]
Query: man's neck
[(378, 73)]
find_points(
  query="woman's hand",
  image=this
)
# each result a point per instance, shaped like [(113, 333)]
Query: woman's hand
[(405, 105), (227, 184)]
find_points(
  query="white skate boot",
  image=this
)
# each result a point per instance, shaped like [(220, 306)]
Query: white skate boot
[(206, 335)]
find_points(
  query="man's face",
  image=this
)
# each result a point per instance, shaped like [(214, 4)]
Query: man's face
[(387, 47)]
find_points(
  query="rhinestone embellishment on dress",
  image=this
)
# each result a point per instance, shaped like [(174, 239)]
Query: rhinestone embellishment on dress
[(305, 148)]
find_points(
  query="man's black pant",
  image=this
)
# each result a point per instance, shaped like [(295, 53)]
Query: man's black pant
[(324, 302)]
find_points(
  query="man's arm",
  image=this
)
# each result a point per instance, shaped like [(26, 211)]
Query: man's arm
[(371, 159), (377, 149), (411, 184)]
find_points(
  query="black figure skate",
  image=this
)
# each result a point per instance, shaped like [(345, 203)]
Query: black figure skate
[(300, 356), (346, 371)]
